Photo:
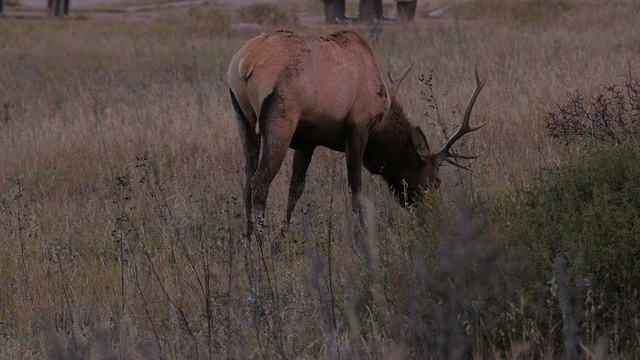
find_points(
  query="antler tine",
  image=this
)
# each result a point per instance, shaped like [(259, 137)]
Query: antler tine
[(395, 82), (445, 153), (456, 164), (466, 157)]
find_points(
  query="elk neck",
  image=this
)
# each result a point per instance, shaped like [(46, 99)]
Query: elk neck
[(390, 152)]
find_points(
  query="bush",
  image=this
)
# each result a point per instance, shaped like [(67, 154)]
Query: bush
[(587, 211), (593, 207), (612, 115)]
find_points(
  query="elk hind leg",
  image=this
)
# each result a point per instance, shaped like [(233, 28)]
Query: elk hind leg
[(277, 125), (251, 149), (301, 161), (252, 154)]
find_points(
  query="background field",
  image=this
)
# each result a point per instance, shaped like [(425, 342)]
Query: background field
[(121, 222)]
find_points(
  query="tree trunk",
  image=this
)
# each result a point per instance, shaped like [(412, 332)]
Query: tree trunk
[(58, 8), (406, 10), (370, 10), (54, 7), (334, 10), (1, 7)]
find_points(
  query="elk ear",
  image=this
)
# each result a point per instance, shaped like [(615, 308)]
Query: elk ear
[(420, 143)]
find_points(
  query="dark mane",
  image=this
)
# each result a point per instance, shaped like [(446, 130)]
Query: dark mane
[(389, 149)]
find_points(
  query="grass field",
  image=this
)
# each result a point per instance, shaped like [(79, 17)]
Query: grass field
[(121, 218)]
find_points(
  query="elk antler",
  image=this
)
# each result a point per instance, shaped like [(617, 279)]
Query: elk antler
[(395, 82), (445, 153)]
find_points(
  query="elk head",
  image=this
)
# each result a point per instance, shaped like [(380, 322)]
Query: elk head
[(415, 168)]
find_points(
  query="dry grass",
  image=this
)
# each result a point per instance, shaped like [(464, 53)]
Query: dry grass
[(120, 175)]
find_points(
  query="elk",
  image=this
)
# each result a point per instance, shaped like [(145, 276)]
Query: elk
[(292, 90)]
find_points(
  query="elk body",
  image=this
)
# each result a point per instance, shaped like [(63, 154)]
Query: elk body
[(298, 91)]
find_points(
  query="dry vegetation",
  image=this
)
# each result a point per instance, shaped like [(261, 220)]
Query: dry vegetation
[(121, 220)]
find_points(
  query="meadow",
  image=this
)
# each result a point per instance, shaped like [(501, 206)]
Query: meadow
[(121, 215)]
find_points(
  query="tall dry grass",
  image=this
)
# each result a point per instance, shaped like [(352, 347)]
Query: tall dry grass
[(120, 173)]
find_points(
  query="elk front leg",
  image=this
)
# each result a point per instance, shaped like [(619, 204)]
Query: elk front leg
[(354, 149)]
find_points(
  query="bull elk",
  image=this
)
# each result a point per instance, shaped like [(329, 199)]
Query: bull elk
[(299, 91)]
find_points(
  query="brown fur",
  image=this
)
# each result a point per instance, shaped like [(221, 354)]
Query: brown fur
[(391, 153), (303, 91)]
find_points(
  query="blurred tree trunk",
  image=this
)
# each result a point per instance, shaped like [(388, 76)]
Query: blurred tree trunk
[(406, 9), (370, 10), (1, 7), (334, 10), (58, 7)]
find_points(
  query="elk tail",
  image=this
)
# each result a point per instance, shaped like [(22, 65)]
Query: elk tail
[(239, 113), (266, 110)]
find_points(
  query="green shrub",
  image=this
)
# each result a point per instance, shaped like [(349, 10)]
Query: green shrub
[(586, 211), (592, 210)]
